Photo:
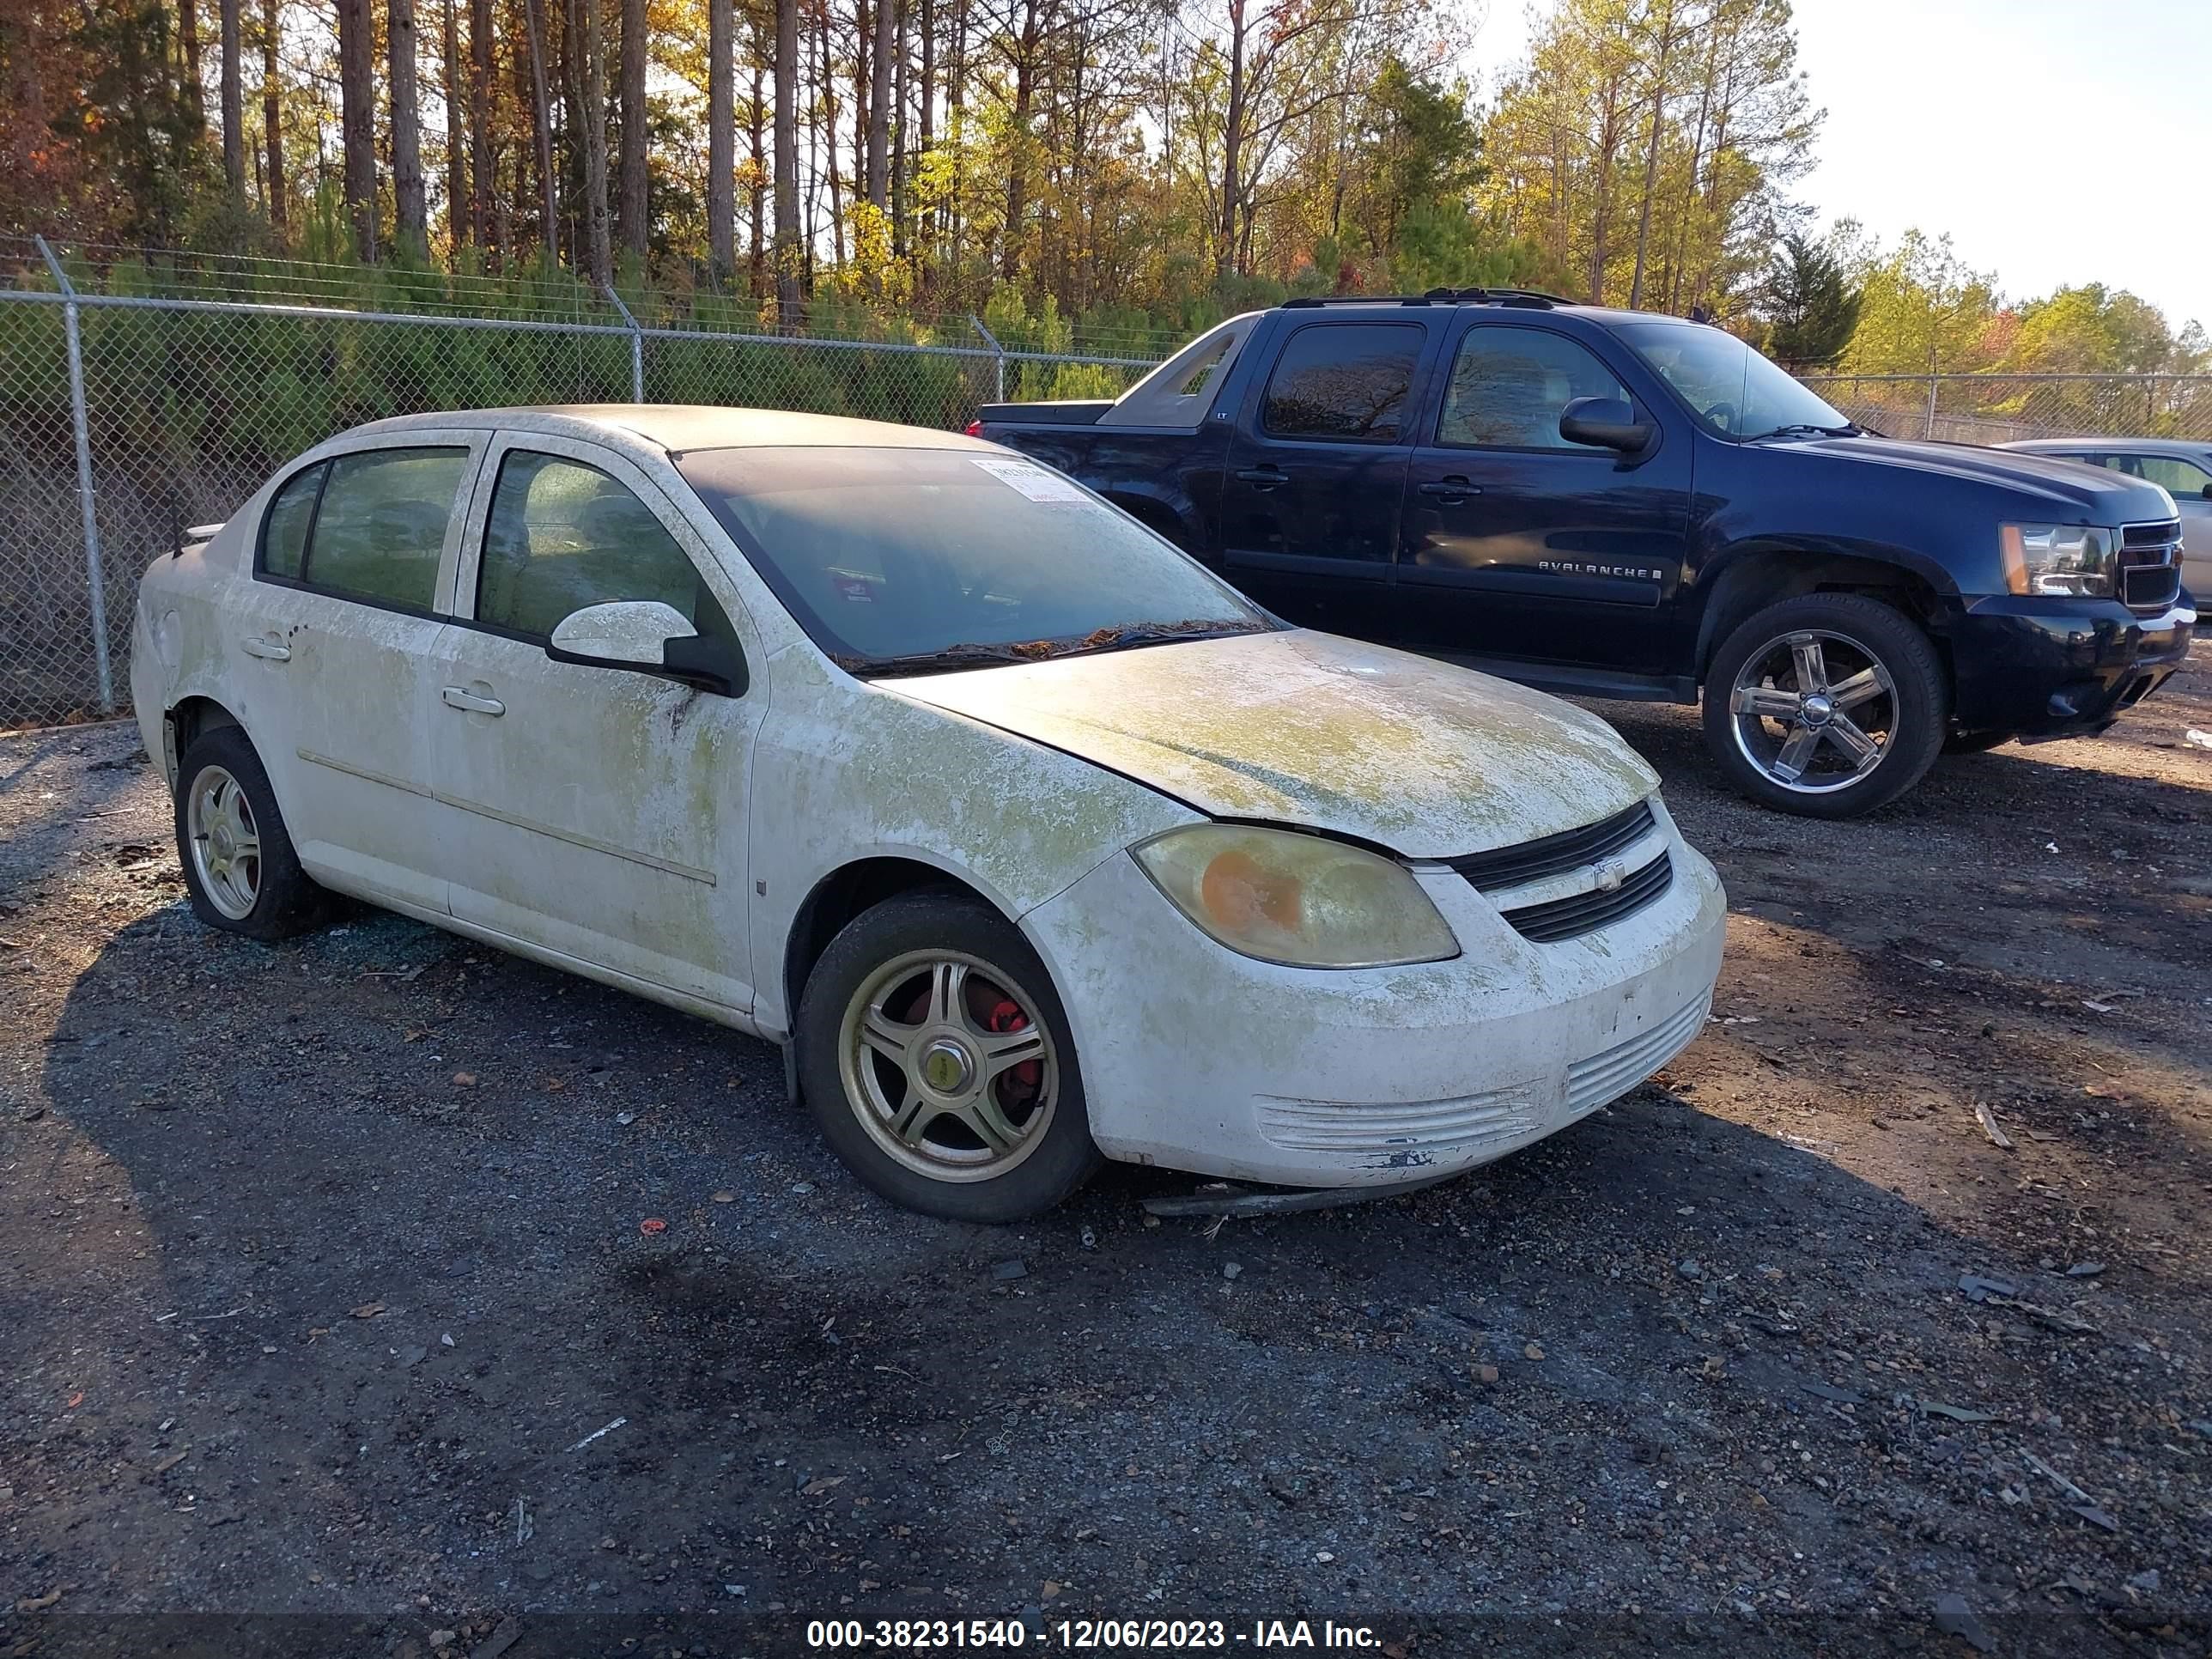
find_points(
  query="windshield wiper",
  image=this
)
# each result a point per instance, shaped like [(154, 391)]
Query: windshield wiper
[(970, 655), (1133, 634), (1807, 430), (953, 656)]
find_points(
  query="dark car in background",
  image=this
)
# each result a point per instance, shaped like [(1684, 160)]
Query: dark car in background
[(1624, 505)]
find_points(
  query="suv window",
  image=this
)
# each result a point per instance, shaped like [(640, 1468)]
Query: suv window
[(1343, 382), (563, 535), (379, 529), (1509, 385), (2181, 477)]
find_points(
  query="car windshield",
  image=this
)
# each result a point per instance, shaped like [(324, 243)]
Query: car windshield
[(1730, 388), (906, 560)]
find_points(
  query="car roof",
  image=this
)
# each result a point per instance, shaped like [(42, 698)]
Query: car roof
[(677, 427), (2141, 446), (1519, 301)]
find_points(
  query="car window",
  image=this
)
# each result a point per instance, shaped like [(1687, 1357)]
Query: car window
[(1733, 391), (563, 535), (1509, 385), (284, 527), (1343, 382), (381, 525), (2181, 477)]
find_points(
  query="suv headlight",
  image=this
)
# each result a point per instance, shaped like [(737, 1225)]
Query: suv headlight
[(2057, 558), (1299, 900)]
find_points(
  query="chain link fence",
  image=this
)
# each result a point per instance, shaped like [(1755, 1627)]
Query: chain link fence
[(2002, 409), (182, 407)]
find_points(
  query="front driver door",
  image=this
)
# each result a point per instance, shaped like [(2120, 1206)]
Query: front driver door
[(597, 812), (1310, 502), (1519, 545)]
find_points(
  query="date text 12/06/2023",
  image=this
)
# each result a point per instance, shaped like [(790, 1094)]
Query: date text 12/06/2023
[(1093, 1635)]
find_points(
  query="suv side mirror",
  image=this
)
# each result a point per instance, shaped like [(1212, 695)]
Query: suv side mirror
[(650, 637), (1605, 424)]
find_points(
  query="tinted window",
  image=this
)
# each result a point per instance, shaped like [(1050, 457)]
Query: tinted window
[(563, 535), (893, 552), (382, 525), (1731, 389), (2180, 479), (285, 526), (1343, 381), (1509, 386)]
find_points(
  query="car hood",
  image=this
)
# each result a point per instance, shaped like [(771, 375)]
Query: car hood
[(2072, 492), (1302, 728)]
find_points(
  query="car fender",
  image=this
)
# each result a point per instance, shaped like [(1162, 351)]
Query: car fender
[(1749, 570)]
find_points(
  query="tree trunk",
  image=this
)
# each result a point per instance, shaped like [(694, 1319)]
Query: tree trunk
[(879, 106), (636, 224), (233, 104), (1018, 141), (272, 110), (829, 139), (457, 144), (1651, 154), (357, 121), (542, 121), (484, 166), (901, 89), (722, 141), (188, 36), (787, 163), (596, 228), (956, 104), (1232, 142), (925, 235), (756, 134), (409, 211)]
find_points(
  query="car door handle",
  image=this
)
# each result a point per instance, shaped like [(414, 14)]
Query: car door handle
[(1265, 477), (1453, 488), (457, 697), (268, 646)]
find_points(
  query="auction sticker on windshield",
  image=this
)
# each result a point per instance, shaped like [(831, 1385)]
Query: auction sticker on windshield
[(1034, 482)]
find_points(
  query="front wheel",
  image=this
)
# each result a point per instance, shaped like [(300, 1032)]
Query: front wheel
[(1827, 705), (939, 1062)]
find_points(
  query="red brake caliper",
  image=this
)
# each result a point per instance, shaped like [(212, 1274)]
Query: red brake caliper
[(1006, 1016)]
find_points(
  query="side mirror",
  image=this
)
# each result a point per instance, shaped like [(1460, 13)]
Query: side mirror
[(650, 637), (1605, 424), (2208, 492)]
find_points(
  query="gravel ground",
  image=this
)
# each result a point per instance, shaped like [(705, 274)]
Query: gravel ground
[(324, 1293)]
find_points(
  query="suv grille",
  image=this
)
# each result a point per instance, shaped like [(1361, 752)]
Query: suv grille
[(1510, 866), (1582, 912), (2150, 565)]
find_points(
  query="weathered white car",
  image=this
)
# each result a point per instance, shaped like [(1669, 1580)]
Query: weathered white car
[(1031, 840)]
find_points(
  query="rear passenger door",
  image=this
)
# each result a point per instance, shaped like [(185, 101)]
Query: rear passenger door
[(336, 641), (1309, 501), (1519, 545)]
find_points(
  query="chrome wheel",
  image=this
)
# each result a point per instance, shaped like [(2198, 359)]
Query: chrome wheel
[(226, 845), (948, 1065), (1812, 711)]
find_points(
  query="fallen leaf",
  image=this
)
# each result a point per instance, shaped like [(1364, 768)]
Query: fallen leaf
[(653, 1226), (1485, 1373), (816, 1488), (40, 1603), (465, 1079), (366, 1311), (1534, 1351), (1051, 1589), (171, 1461), (77, 1400)]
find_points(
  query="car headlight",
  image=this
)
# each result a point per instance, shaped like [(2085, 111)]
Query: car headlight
[(2057, 558), (1299, 900)]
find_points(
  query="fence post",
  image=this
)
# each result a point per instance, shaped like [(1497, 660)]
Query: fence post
[(1930, 430), (636, 346), (93, 576), (997, 351)]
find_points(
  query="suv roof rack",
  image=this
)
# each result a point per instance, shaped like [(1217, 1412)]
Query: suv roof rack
[(1528, 297)]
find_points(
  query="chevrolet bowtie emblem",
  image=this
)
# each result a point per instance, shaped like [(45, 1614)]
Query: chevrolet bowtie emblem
[(1610, 875)]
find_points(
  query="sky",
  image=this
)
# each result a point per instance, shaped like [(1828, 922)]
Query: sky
[(2057, 141)]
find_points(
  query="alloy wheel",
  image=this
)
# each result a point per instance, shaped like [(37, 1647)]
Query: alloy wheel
[(1813, 711)]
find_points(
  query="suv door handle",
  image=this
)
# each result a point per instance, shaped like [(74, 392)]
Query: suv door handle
[(1453, 488), (456, 697), (1265, 477), (268, 646)]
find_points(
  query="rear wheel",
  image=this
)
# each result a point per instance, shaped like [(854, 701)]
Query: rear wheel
[(238, 865), (1828, 705), (939, 1063)]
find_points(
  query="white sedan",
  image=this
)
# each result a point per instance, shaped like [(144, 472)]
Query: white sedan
[(1032, 842)]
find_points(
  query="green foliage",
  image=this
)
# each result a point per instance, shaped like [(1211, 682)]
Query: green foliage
[(1811, 309)]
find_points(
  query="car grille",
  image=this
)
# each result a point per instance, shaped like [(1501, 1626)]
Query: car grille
[(1510, 866), (2150, 565), (1611, 1073), (1582, 913), (1408, 1132)]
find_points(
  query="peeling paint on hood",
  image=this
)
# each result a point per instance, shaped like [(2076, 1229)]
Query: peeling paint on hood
[(1303, 728)]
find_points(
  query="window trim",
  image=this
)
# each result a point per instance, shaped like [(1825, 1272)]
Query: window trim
[(1437, 441), (470, 448), (1409, 422), (515, 445)]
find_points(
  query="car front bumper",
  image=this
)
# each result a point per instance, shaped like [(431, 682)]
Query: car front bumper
[(2042, 667), (1198, 1059)]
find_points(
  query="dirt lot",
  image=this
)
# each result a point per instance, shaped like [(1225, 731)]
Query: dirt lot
[(323, 1291)]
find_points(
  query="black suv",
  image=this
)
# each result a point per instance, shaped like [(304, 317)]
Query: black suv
[(1624, 505)]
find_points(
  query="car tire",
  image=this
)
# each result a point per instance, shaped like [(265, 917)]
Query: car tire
[(1974, 743), (239, 867), (908, 1032), (1805, 751)]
